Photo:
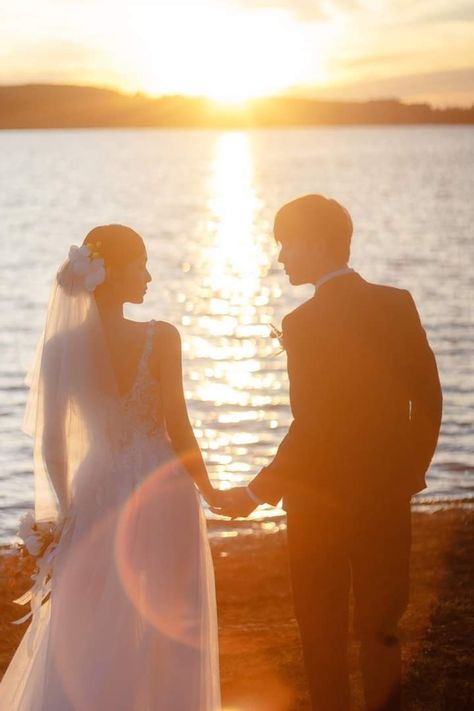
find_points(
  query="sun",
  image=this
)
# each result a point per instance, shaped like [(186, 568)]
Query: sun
[(218, 51), (234, 97), (231, 101)]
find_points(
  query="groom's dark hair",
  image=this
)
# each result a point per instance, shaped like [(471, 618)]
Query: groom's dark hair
[(316, 218)]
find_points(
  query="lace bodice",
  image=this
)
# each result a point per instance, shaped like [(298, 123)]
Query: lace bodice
[(142, 406)]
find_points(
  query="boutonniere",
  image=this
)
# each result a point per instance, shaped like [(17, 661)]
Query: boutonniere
[(278, 334)]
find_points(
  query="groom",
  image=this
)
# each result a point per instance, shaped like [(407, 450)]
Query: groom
[(366, 404)]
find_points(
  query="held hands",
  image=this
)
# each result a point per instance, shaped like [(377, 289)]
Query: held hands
[(234, 503)]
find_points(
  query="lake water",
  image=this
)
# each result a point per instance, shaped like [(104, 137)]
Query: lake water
[(204, 202)]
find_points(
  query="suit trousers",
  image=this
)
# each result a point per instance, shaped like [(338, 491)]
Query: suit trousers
[(332, 545)]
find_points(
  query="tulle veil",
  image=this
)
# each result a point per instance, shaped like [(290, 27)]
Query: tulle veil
[(71, 406)]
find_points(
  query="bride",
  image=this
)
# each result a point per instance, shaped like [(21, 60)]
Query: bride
[(123, 613)]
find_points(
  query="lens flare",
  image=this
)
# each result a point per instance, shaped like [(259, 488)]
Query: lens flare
[(160, 578)]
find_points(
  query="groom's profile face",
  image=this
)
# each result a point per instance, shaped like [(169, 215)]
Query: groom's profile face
[(314, 234), (302, 251), (300, 259)]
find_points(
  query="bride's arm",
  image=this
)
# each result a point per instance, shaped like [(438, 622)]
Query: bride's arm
[(175, 411), (53, 443)]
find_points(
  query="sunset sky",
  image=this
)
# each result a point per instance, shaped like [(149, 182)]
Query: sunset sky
[(233, 50)]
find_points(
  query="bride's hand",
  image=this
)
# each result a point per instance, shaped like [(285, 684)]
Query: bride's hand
[(214, 498)]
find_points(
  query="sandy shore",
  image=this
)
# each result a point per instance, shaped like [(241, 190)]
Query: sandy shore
[(261, 661)]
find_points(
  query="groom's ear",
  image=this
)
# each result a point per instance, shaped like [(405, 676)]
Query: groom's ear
[(318, 249)]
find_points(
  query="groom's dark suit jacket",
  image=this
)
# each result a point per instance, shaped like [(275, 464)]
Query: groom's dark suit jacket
[(365, 398)]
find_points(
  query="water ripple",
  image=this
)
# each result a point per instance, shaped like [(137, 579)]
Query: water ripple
[(205, 201)]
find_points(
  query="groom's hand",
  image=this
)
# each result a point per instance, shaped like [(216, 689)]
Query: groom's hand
[(235, 503)]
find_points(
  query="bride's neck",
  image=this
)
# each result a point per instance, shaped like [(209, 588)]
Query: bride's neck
[(111, 312)]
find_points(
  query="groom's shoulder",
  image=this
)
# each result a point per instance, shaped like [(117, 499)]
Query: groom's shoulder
[(298, 315), (389, 302), (390, 293)]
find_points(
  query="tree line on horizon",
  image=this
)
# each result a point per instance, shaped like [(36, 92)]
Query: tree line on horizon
[(56, 106)]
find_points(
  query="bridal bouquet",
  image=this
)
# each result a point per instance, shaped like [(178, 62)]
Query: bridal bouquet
[(37, 536), (41, 539)]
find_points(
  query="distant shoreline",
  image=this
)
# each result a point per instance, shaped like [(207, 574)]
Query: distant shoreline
[(49, 106), (301, 127)]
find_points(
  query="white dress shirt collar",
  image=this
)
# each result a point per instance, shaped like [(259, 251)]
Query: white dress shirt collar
[(332, 275)]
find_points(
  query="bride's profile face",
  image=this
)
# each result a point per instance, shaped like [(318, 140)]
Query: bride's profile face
[(124, 257), (135, 276), (127, 283)]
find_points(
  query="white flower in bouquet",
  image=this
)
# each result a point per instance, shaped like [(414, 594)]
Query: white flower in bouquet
[(26, 525), (33, 544), (37, 536)]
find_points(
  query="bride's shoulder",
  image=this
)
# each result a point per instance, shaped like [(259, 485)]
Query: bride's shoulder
[(166, 337), (166, 348), (166, 330)]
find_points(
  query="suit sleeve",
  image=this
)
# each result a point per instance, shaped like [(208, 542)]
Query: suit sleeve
[(424, 393), (269, 485)]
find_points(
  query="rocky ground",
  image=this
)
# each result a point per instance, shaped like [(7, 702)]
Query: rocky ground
[(261, 663)]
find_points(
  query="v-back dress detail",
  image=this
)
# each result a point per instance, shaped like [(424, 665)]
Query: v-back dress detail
[(130, 624), (142, 402)]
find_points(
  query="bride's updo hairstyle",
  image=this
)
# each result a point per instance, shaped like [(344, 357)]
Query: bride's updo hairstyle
[(109, 247), (117, 245)]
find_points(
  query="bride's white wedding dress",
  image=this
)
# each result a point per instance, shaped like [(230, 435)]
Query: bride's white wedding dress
[(130, 624)]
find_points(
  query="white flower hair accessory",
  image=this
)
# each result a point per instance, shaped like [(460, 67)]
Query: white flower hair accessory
[(87, 263)]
